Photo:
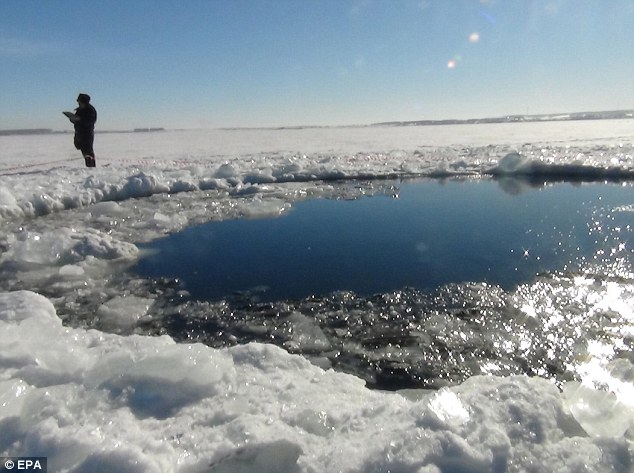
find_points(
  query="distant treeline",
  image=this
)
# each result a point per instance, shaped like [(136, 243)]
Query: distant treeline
[(48, 131), (31, 131), (608, 115)]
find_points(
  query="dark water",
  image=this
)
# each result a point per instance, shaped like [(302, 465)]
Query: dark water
[(428, 234), (416, 286)]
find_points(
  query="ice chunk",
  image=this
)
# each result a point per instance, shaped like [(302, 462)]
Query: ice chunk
[(142, 185), (512, 163), (600, 413), (71, 271), (225, 171), (24, 305), (171, 222), (277, 456), (110, 209), (124, 459), (42, 249), (155, 396), (122, 312), (65, 246), (29, 324), (306, 335), (11, 395), (158, 383), (447, 407), (183, 186), (314, 422), (258, 208), (8, 203)]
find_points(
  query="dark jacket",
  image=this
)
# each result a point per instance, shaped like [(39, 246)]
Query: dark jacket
[(87, 115)]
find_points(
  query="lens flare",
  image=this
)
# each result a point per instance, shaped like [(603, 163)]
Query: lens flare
[(474, 37), (453, 62)]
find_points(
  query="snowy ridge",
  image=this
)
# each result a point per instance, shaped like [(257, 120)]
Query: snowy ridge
[(59, 188), (150, 405), (514, 164), (38, 176)]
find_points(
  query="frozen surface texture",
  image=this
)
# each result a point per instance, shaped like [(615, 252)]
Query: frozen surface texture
[(85, 398), (82, 383)]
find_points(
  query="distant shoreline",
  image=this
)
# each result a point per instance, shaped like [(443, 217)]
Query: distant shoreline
[(50, 131), (553, 117)]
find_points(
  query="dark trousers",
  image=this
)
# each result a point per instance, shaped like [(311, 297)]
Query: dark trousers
[(84, 143)]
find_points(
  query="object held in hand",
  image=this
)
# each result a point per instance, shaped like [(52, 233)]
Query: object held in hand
[(71, 116)]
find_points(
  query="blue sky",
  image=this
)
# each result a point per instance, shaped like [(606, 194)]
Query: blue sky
[(251, 63)]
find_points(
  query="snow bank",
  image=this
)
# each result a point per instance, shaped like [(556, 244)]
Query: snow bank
[(237, 161), (91, 401), (515, 164), (57, 189)]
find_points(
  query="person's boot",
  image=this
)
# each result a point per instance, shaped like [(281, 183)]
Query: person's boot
[(90, 161)]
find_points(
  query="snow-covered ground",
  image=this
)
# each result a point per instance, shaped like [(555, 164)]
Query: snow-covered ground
[(81, 384)]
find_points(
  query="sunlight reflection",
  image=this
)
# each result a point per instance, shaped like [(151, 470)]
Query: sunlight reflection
[(590, 320)]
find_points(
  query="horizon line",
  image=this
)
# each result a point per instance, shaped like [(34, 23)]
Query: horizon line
[(510, 118)]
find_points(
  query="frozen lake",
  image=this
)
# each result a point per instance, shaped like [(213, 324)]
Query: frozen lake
[(507, 310)]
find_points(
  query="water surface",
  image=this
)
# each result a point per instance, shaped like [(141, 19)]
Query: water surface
[(422, 235)]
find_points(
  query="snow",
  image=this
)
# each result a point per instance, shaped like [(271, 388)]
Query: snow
[(105, 397), (183, 161), (84, 398)]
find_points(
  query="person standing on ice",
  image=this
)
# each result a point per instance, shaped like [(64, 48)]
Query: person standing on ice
[(84, 120)]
